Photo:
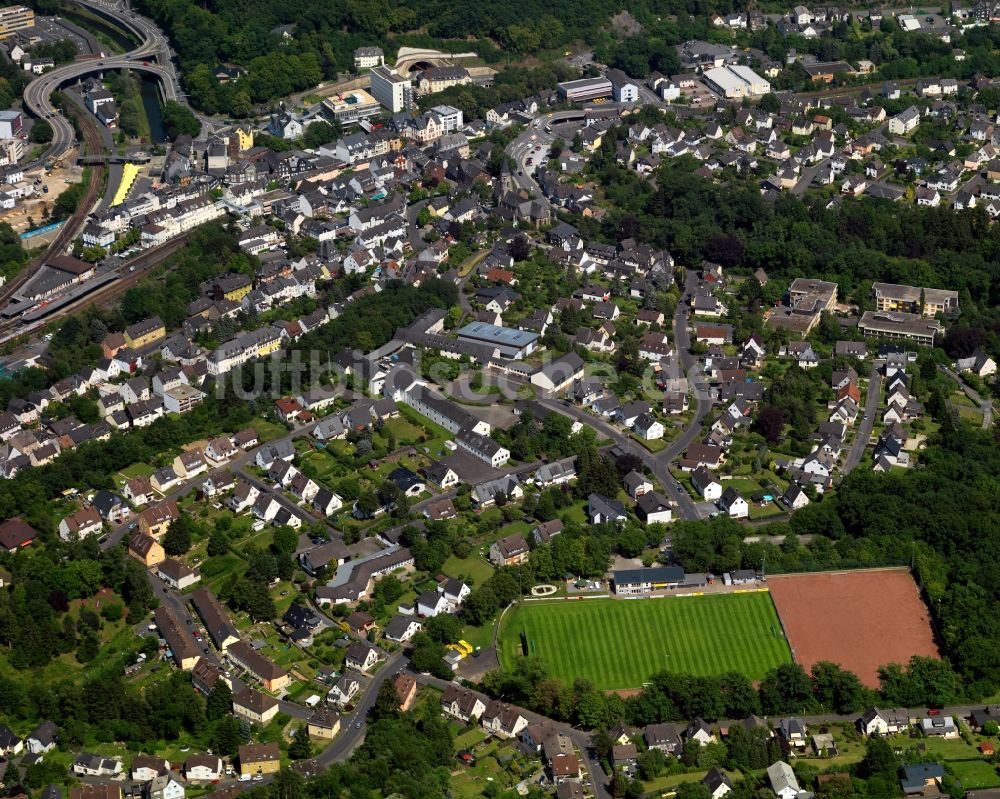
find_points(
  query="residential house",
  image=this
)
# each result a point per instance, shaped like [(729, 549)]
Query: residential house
[(653, 508), (919, 779), (344, 690), (876, 721), (732, 503), (502, 720), (509, 551), (145, 549), (717, 783), (783, 780), (793, 732), (270, 674), (361, 656), (202, 768), (601, 509), (176, 574), (462, 704), (323, 723), (259, 759), (146, 768), (254, 706), (706, 484), (401, 628), (43, 738), (406, 690)]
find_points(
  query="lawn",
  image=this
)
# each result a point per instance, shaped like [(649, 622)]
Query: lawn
[(474, 569), (975, 774), (137, 470), (618, 644)]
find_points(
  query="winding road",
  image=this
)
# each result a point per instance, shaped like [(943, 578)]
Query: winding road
[(659, 463), (153, 47)]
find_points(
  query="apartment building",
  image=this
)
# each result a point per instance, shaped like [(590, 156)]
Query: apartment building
[(391, 89), (911, 299), (15, 18)]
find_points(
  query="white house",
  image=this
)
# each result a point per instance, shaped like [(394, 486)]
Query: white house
[(647, 427), (706, 484), (875, 721), (732, 502), (202, 768)]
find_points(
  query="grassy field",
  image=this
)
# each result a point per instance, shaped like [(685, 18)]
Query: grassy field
[(619, 644)]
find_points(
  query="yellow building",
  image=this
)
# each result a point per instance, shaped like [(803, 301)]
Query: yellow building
[(255, 707), (259, 759), (269, 343), (156, 521), (232, 287), (144, 333), (244, 138), (324, 723), (145, 549), (15, 18)]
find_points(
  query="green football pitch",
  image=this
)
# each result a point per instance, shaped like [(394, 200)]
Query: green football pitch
[(618, 644)]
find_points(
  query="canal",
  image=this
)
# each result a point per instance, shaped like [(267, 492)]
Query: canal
[(151, 105)]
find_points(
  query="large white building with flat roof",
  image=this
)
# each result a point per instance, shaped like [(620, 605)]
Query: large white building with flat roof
[(351, 106), (736, 82), (391, 89), (584, 89)]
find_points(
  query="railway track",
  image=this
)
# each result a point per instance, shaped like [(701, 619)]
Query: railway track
[(71, 227), (129, 273)]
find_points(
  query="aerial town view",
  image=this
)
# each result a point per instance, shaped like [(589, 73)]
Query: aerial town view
[(417, 400)]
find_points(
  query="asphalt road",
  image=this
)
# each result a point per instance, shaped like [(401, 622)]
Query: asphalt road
[(352, 725), (154, 45), (864, 431), (659, 463), (534, 135)]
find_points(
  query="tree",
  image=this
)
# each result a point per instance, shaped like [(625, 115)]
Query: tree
[(41, 132), (286, 540), (289, 784), (444, 628), (652, 763), (88, 648), (301, 747), (428, 655), (218, 543), (319, 133), (220, 701), (386, 704), (879, 758), (177, 540), (991, 728), (836, 688), (692, 790), (770, 103), (787, 689), (179, 120), (226, 738)]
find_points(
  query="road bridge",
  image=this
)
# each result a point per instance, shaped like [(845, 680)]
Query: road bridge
[(153, 47)]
